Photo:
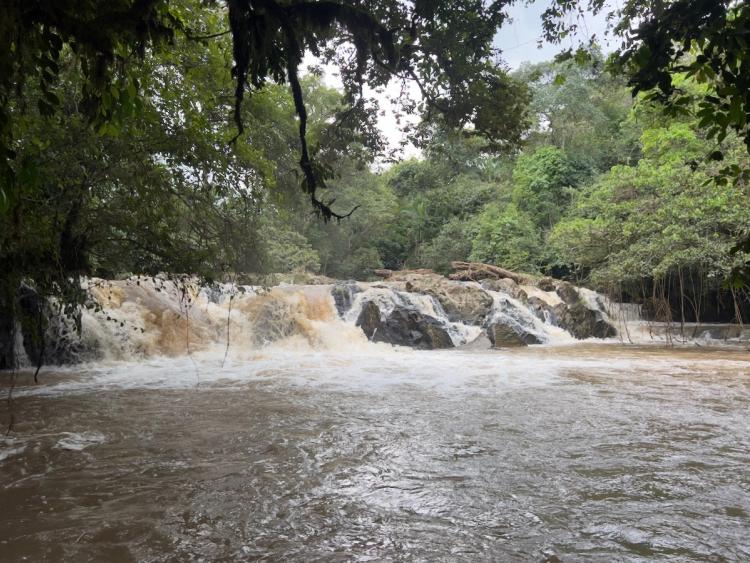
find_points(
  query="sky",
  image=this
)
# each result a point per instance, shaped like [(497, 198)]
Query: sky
[(519, 42), (518, 38)]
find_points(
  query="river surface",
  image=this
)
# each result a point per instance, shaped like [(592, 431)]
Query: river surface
[(590, 452)]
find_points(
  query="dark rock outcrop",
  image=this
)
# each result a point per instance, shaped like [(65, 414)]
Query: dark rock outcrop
[(369, 319), (547, 284), (403, 327), (579, 320), (504, 335), (7, 334)]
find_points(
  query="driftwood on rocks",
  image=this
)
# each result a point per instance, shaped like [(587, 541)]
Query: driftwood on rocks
[(396, 275), (475, 271)]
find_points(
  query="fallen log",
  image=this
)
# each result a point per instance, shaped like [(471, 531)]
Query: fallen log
[(401, 274), (475, 271)]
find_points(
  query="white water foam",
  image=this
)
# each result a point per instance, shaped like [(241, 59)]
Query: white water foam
[(79, 441)]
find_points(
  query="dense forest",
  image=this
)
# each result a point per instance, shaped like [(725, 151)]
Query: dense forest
[(155, 160)]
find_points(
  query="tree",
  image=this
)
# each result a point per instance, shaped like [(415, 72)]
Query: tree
[(704, 40), (445, 47), (543, 182), (582, 110), (507, 237), (653, 231)]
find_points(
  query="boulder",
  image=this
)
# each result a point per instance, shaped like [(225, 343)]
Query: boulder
[(504, 335), (547, 284), (542, 310), (568, 293), (579, 320), (507, 286), (343, 295), (7, 335), (369, 319), (403, 327), (461, 302), (49, 335)]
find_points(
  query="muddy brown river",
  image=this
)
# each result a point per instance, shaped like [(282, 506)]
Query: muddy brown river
[(574, 453)]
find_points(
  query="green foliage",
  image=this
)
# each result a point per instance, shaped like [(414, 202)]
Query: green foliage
[(288, 251), (543, 183), (453, 242), (507, 237), (581, 109), (657, 218)]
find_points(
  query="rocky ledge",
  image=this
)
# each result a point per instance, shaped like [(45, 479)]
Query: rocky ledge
[(512, 309)]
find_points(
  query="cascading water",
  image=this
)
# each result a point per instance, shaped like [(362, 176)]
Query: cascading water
[(143, 317)]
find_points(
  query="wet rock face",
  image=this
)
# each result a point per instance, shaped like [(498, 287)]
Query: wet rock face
[(507, 286), (7, 340), (50, 337), (461, 303), (542, 310), (505, 336), (369, 319), (403, 327), (579, 320), (547, 284), (343, 295), (568, 293)]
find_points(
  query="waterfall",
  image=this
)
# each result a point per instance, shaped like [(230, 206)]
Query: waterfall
[(145, 317)]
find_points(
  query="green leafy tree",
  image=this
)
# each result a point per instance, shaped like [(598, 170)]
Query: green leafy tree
[(655, 227), (543, 183), (507, 237)]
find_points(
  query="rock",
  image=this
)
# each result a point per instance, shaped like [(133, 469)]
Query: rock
[(31, 316), (568, 293), (50, 336), (583, 322), (461, 303), (506, 285), (369, 319), (503, 335), (542, 310), (574, 316), (7, 335), (403, 327), (547, 284), (343, 295)]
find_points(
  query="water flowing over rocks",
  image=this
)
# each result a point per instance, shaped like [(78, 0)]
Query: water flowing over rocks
[(579, 319), (505, 285), (343, 295), (461, 302), (143, 317), (403, 327)]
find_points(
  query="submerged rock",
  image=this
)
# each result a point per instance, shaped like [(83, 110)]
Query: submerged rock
[(504, 335), (403, 327), (461, 302)]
